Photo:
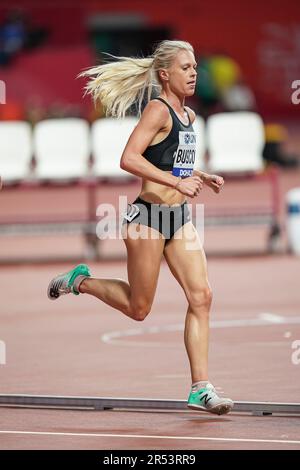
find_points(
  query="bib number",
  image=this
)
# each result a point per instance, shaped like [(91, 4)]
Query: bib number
[(184, 157)]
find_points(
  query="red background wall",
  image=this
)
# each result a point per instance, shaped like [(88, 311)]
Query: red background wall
[(264, 38)]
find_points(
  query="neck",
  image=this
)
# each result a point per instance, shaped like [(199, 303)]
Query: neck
[(176, 102)]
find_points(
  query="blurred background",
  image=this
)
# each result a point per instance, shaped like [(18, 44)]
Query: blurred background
[(248, 65), (253, 48), (59, 160)]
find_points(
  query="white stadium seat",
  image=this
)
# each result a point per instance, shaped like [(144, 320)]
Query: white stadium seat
[(199, 128), (109, 137), (15, 150), (62, 148), (235, 142)]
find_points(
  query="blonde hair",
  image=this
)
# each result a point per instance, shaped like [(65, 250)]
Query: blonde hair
[(118, 85)]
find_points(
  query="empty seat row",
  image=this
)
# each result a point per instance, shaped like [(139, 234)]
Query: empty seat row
[(62, 147)]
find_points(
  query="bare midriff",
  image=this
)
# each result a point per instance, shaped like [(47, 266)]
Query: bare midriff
[(160, 194)]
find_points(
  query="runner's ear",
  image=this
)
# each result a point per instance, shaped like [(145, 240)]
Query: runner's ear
[(163, 75)]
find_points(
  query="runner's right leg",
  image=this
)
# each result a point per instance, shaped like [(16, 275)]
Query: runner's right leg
[(135, 297)]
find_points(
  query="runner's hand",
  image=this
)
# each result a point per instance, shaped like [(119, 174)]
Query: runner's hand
[(215, 182), (190, 186)]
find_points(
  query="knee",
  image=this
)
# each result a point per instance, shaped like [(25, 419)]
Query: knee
[(200, 298), (139, 311)]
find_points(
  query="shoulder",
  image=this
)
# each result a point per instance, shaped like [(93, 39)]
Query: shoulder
[(191, 113), (157, 111)]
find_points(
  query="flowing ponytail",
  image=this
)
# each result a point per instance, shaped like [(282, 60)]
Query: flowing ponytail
[(118, 85)]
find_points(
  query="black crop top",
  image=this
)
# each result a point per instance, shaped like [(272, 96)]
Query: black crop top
[(176, 152)]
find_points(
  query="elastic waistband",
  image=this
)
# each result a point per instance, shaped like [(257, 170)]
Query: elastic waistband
[(149, 204)]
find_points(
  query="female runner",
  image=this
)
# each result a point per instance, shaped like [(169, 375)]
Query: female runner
[(161, 151)]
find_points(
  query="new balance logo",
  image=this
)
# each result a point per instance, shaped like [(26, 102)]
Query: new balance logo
[(205, 398)]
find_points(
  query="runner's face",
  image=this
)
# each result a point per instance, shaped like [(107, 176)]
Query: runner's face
[(182, 73)]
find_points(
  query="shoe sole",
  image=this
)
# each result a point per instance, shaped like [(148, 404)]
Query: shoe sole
[(51, 282), (221, 409), (49, 288)]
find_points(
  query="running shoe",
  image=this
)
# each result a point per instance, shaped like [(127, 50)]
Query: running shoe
[(64, 283), (206, 399)]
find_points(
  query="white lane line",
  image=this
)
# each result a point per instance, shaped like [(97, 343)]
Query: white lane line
[(141, 436), (264, 319)]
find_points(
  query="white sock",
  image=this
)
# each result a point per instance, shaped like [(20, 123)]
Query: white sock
[(78, 280), (198, 385)]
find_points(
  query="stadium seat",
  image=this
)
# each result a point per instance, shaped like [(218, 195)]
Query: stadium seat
[(62, 148), (199, 128), (109, 137), (235, 142), (15, 151)]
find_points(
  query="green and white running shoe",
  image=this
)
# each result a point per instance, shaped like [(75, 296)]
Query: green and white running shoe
[(64, 283), (206, 399)]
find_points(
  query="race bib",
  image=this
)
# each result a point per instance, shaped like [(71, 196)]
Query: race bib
[(184, 157)]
